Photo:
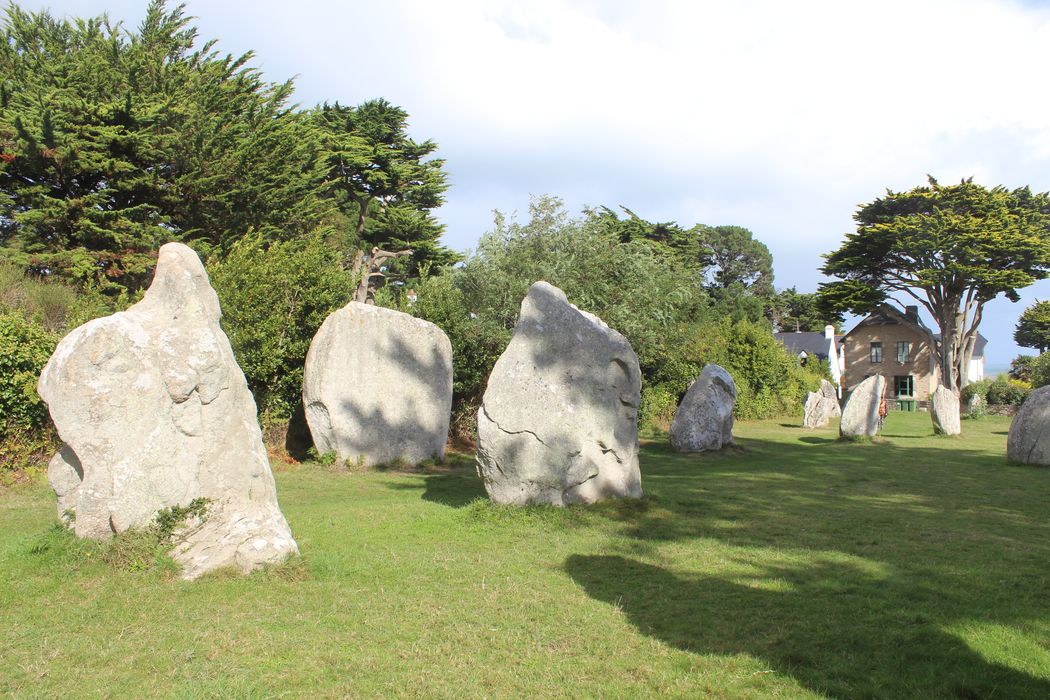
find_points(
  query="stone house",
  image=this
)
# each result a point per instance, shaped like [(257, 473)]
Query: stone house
[(897, 346)]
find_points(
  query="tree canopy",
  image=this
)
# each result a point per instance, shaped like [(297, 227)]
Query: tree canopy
[(1033, 328), (736, 258), (792, 310), (951, 248), (114, 142)]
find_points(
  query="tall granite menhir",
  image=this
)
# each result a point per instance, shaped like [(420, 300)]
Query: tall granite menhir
[(377, 386), (559, 420), (154, 412), (860, 416)]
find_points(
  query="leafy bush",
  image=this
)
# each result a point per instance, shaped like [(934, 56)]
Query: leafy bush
[(976, 407), (972, 389), (1008, 392), (769, 380), (274, 297), (24, 350), (1021, 368), (1041, 370)]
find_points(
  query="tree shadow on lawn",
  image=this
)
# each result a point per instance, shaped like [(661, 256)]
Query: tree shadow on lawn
[(833, 629), (454, 483), (886, 546)]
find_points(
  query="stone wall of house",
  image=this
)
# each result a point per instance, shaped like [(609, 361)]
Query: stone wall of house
[(857, 348)]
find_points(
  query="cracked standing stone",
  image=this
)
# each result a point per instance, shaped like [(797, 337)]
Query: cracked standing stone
[(559, 420), (704, 419), (154, 412)]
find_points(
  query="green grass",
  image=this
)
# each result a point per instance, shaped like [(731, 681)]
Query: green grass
[(797, 566)]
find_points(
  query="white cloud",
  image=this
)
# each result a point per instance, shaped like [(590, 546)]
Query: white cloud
[(778, 116)]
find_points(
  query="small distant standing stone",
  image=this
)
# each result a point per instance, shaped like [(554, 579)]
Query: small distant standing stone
[(821, 406), (944, 410), (860, 417), (704, 419), (1029, 440)]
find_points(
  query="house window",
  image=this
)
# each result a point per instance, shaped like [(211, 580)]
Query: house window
[(903, 351), (904, 386), (876, 352)]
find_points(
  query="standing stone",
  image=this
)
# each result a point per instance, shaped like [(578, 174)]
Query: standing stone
[(704, 419), (377, 386), (154, 412), (821, 406), (860, 417), (1029, 440), (944, 410), (559, 420)]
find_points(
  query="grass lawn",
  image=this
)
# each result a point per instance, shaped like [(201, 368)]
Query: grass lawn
[(796, 566)]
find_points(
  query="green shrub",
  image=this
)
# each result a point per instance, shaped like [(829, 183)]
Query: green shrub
[(976, 407), (24, 350), (1041, 370), (1021, 368), (1008, 392), (769, 380), (659, 404), (274, 297), (975, 389)]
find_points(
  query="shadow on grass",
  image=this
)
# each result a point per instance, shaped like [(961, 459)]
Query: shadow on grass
[(862, 563), (454, 483), (821, 628)]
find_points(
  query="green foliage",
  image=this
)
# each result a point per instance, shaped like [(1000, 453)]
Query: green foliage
[(1041, 370), (274, 298), (976, 408), (1021, 368), (951, 248), (1008, 392), (1033, 328), (791, 310), (737, 258), (477, 343), (658, 407), (24, 349), (979, 388), (116, 141), (384, 184), (769, 380)]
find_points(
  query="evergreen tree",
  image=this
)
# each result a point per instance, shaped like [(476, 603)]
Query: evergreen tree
[(385, 185), (113, 142)]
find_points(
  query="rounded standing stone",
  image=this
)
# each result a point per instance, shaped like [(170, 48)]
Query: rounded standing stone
[(1029, 439), (704, 419), (377, 386)]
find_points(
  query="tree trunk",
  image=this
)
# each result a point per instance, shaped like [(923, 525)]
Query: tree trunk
[(373, 270)]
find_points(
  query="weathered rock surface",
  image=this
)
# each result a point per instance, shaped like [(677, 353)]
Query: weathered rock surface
[(821, 406), (377, 386), (860, 417), (154, 412), (944, 410), (1029, 440), (559, 420), (704, 419)]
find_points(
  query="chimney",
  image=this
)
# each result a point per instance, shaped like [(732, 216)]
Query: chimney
[(912, 313), (829, 332)]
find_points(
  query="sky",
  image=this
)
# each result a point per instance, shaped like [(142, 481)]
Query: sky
[(779, 117)]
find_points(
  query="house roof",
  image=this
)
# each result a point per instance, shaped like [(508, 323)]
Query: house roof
[(810, 343), (886, 315)]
